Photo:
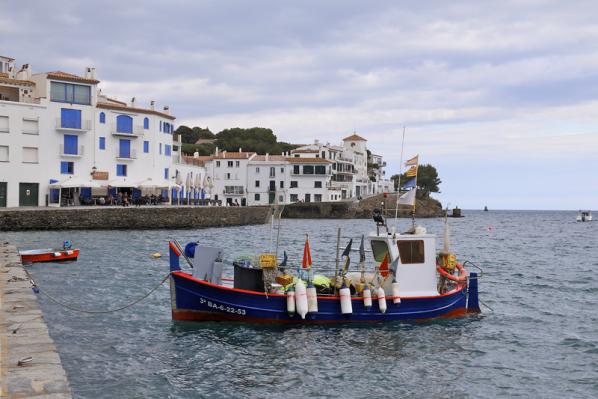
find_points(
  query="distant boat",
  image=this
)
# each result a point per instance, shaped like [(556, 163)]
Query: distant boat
[(584, 216), (485, 209)]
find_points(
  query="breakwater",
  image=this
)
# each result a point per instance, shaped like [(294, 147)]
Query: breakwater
[(29, 363), (118, 218)]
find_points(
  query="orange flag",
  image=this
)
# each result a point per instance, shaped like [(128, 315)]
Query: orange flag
[(306, 264), (384, 266)]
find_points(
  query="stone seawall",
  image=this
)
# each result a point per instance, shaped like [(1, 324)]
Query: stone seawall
[(360, 209), (118, 218), (29, 363)]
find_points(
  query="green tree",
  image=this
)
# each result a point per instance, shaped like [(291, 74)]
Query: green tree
[(202, 149), (256, 139), (191, 135)]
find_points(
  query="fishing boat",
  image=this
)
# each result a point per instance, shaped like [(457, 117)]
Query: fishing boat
[(50, 254), (410, 282), (584, 216)]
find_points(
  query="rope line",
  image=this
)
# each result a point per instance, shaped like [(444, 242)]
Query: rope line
[(73, 308)]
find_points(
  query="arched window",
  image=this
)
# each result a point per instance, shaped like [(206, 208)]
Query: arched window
[(102, 117), (145, 123), (124, 124)]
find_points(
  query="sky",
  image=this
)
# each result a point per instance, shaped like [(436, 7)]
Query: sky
[(501, 97)]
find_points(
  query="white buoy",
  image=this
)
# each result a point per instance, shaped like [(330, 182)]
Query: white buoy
[(312, 298), (381, 299), (396, 299), (301, 298), (345, 295), (291, 301), (367, 296)]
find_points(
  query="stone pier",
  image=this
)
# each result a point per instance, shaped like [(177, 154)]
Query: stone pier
[(30, 366)]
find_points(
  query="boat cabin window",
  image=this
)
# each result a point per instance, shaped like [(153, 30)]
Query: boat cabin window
[(411, 251), (379, 249)]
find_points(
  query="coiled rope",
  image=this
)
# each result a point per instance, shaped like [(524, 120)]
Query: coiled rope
[(67, 306)]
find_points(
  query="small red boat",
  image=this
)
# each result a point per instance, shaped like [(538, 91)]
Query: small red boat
[(48, 255)]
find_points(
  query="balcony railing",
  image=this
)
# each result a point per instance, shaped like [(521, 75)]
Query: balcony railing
[(137, 131), (234, 190), (80, 151), (130, 156), (83, 126)]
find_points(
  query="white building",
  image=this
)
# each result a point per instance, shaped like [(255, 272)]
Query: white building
[(62, 141)]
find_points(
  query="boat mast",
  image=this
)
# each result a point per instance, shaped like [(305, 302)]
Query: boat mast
[(399, 185)]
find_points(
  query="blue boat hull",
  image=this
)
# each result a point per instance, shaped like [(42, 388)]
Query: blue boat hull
[(198, 300)]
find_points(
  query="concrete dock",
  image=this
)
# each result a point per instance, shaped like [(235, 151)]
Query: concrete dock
[(30, 366)]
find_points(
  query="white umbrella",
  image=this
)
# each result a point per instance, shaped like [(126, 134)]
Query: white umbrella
[(147, 183), (122, 182), (72, 182)]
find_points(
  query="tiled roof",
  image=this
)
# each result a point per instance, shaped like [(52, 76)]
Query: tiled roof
[(119, 107), (59, 75), (307, 160), (305, 151), (354, 137), (17, 82), (198, 161), (274, 158), (233, 155)]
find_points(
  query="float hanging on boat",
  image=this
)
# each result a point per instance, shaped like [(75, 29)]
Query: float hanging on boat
[(67, 252)]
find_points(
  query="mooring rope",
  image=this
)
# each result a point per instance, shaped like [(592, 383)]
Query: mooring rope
[(67, 306)]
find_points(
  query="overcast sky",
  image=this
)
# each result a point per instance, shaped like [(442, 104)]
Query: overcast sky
[(502, 98)]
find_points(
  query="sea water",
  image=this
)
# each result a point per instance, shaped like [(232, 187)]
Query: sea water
[(539, 340)]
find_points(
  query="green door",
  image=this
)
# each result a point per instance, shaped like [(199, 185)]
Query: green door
[(28, 194), (2, 194), (271, 197)]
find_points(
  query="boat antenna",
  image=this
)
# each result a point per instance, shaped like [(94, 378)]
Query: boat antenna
[(278, 232), (446, 240), (399, 183), (338, 243)]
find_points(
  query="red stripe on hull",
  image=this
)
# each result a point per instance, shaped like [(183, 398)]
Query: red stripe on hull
[(196, 315)]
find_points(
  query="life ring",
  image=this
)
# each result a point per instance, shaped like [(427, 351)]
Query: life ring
[(462, 277)]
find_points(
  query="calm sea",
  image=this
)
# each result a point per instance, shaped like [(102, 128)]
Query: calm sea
[(540, 340)]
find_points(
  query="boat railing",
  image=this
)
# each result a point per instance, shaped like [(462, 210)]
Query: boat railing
[(467, 262)]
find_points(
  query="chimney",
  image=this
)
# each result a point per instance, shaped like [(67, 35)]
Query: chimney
[(267, 156), (93, 73), (167, 110), (216, 151), (24, 73), (196, 154), (240, 149), (316, 141), (133, 102), (153, 105), (87, 74), (224, 154)]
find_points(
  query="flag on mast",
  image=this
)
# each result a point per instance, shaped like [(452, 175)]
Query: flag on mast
[(411, 172), (409, 184), (412, 161), (408, 198), (306, 263)]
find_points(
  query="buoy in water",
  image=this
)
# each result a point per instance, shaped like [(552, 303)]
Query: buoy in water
[(312, 298), (381, 299), (367, 296), (291, 301), (300, 299), (156, 255), (345, 295), (396, 299)]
